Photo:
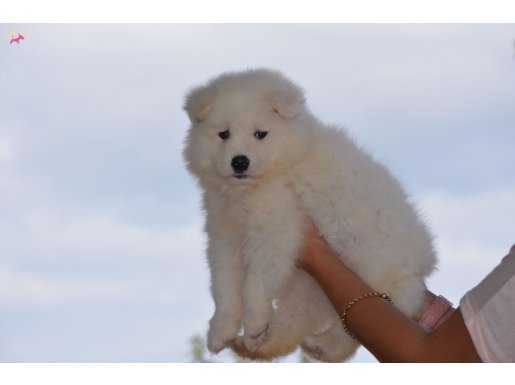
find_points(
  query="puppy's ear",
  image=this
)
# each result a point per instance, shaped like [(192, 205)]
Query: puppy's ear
[(198, 103), (288, 101)]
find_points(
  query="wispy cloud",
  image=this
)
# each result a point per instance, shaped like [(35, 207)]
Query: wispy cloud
[(6, 151)]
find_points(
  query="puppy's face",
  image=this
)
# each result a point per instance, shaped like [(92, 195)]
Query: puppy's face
[(242, 133), (240, 141)]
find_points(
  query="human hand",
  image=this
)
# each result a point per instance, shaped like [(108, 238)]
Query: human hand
[(315, 248), (429, 297)]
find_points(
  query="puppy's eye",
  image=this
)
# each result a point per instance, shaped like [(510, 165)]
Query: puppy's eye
[(260, 135), (224, 135)]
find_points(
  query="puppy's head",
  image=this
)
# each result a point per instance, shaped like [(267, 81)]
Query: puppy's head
[(245, 126)]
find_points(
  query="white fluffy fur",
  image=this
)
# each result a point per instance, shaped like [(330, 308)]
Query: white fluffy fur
[(303, 168)]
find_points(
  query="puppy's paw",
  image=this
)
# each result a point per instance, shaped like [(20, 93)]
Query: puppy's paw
[(256, 324), (222, 330), (254, 339), (238, 347)]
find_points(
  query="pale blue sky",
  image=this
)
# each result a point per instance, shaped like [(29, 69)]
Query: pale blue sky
[(101, 249)]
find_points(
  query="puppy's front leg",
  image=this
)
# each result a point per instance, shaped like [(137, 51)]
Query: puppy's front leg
[(269, 254), (226, 287)]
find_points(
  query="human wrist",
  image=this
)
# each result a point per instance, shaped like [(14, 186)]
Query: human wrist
[(316, 263)]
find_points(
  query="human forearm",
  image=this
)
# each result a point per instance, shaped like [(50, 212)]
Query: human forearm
[(379, 326)]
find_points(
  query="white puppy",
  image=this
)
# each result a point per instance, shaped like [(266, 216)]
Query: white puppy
[(265, 164)]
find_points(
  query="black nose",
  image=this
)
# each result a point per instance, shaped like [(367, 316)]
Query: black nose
[(240, 164)]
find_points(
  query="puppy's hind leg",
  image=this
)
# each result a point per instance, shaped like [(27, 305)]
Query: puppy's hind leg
[(333, 345), (282, 338)]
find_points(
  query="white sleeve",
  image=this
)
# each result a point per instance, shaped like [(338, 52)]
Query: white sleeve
[(489, 313)]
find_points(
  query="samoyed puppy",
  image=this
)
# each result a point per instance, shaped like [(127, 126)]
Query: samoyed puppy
[(265, 163)]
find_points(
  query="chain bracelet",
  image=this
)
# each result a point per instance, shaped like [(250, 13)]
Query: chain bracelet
[(354, 301)]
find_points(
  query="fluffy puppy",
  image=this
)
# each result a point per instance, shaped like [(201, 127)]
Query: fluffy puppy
[(264, 164)]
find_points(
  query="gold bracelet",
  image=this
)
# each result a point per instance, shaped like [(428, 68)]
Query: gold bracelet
[(355, 301)]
